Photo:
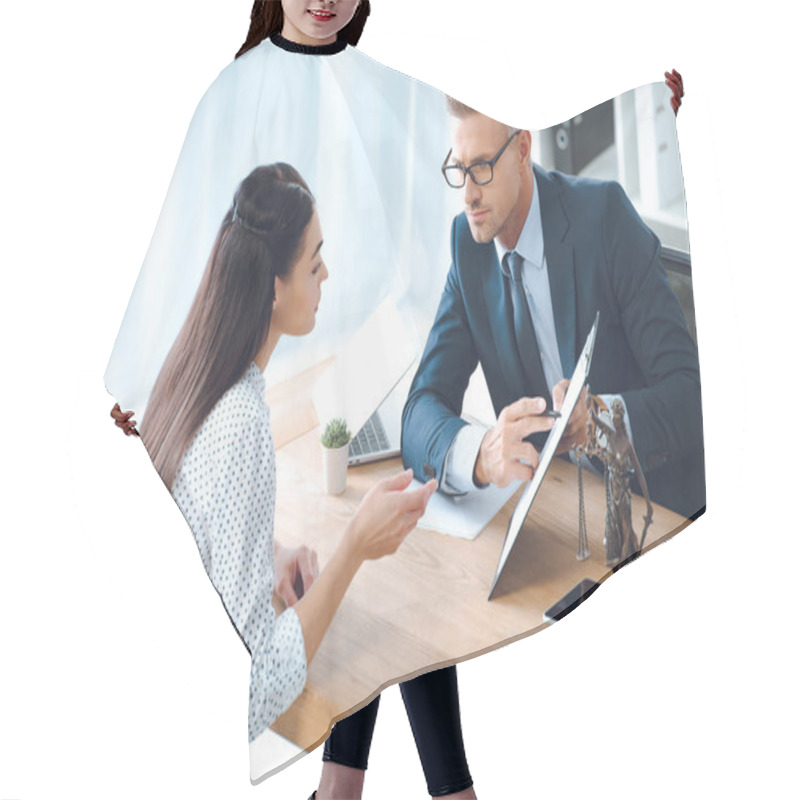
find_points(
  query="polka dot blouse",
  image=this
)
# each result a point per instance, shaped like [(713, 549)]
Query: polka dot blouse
[(225, 488)]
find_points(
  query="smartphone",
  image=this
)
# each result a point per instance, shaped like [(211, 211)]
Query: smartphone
[(571, 600)]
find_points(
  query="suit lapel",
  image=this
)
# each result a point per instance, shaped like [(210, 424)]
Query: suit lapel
[(560, 267)]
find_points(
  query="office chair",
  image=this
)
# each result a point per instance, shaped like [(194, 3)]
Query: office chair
[(679, 271)]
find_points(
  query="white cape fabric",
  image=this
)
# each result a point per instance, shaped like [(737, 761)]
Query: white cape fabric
[(370, 143), (362, 136)]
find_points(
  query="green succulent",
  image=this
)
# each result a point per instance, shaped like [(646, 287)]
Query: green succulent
[(336, 434)]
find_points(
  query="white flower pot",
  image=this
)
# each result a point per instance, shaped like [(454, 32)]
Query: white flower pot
[(334, 469)]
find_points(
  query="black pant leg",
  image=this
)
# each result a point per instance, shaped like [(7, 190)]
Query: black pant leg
[(433, 710), (351, 737)]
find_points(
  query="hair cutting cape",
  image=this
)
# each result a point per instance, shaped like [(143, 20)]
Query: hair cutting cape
[(370, 143)]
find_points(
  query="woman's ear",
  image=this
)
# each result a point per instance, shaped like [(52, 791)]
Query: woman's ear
[(276, 288)]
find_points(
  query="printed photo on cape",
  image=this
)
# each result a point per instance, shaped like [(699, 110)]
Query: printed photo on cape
[(371, 145)]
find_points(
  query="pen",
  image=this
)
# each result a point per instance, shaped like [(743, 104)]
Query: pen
[(548, 413)]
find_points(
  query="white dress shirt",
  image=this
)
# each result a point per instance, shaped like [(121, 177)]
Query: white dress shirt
[(225, 488)]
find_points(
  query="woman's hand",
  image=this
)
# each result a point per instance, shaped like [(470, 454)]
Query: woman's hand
[(384, 518), (386, 515), (296, 568), (124, 420)]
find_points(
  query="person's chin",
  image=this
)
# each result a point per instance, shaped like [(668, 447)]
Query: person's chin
[(481, 233), (305, 329), (320, 28)]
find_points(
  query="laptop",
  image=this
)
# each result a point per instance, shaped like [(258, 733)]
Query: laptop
[(367, 385), (379, 437)]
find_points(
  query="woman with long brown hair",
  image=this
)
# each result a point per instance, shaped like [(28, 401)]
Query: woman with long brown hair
[(190, 398), (207, 429)]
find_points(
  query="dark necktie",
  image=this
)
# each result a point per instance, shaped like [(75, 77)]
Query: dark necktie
[(527, 344)]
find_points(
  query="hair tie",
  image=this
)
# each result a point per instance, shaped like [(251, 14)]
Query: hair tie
[(237, 219)]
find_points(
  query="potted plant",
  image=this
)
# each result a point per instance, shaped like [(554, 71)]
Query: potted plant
[(335, 449)]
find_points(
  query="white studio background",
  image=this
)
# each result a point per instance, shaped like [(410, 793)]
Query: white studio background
[(119, 674)]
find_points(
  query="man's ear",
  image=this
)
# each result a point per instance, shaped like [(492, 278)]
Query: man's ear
[(525, 146)]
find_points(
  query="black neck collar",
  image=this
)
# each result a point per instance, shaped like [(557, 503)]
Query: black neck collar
[(308, 49)]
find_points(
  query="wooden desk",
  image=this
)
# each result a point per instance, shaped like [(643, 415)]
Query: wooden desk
[(425, 606)]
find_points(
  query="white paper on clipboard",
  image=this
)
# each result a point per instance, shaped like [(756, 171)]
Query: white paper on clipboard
[(576, 384)]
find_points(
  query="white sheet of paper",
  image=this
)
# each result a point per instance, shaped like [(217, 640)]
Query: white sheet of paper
[(464, 516)]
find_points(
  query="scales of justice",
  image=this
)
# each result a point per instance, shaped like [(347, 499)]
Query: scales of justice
[(610, 444)]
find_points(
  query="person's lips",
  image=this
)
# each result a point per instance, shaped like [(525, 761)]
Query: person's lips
[(321, 16), (476, 215)]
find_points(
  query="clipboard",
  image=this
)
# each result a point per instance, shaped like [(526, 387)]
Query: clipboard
[(576, 384)]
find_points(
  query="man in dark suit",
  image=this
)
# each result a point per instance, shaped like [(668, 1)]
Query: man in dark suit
[(535, 255)]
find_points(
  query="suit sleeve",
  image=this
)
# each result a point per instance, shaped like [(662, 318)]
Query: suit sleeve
[(431, 417), (665, 415)]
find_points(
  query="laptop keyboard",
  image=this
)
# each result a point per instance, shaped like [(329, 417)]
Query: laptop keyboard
[(371, 438)]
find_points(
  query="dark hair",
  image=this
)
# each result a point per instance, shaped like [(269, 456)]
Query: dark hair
[(259, 240), (266, 19)]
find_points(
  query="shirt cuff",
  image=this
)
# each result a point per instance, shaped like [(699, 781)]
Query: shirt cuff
[(278, 671), (459, 463)]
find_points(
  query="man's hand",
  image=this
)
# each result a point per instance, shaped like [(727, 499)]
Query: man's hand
[(575, 432), (296, 568), (124, 420), (503, 454)]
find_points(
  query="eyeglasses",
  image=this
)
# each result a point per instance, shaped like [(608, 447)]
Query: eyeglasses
[(481, 172)]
